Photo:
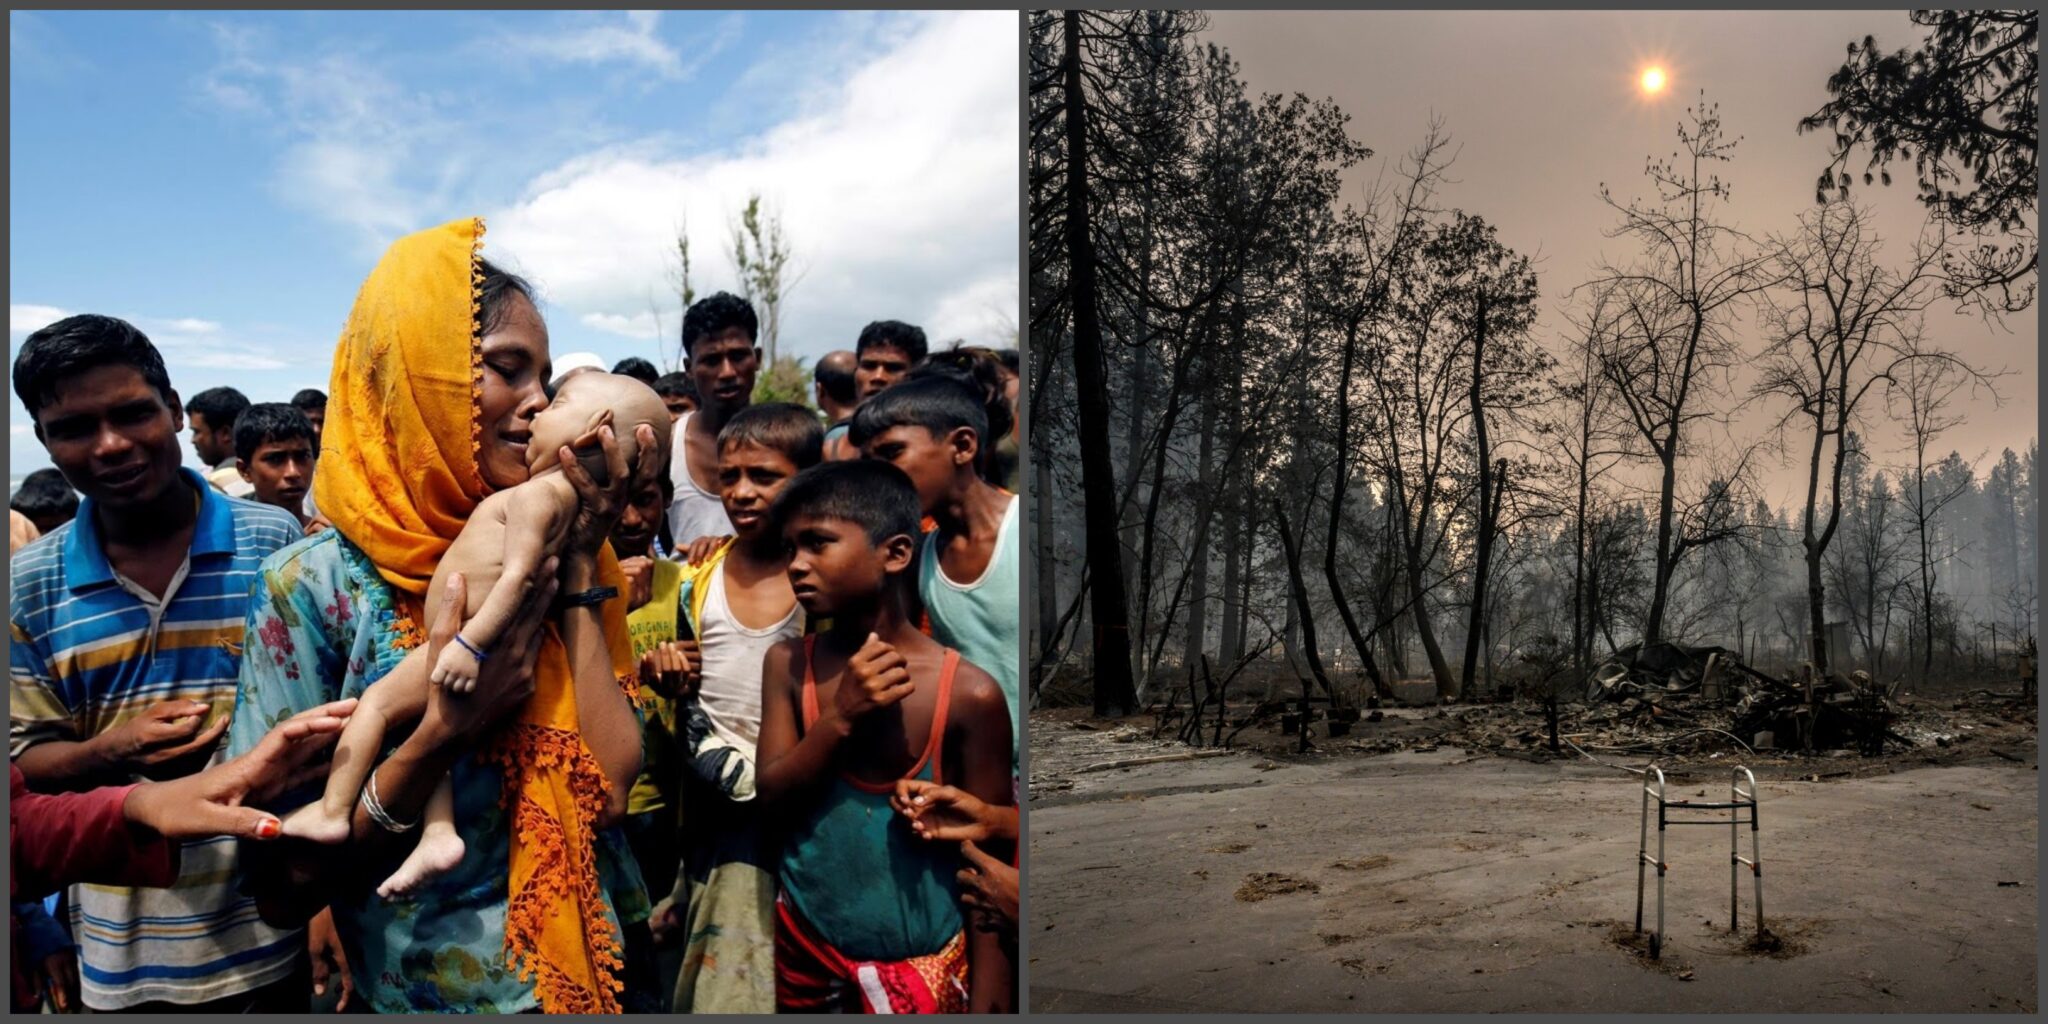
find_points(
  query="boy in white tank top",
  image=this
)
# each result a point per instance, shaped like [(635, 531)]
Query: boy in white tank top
[(738, 603)]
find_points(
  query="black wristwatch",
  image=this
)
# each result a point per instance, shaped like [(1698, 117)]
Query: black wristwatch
[(587, 598)]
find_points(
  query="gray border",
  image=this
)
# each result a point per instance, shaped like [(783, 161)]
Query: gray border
[(1027, 577)]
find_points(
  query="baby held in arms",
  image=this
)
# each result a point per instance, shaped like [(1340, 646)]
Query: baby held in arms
[(511, 533)]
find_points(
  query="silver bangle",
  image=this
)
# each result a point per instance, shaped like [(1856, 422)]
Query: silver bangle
[(378, 814)]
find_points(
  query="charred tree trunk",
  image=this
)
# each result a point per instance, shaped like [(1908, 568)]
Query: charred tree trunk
[(1476, 627), (1360, 641), (1236, 577), (1112, 640), (1198, 602), (1299, 585)]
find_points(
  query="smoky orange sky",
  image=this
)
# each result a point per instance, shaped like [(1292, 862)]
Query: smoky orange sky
[(1544, 106)]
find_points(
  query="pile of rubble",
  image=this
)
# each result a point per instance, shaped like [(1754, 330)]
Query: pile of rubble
[(1678, 701), (1808, 711)]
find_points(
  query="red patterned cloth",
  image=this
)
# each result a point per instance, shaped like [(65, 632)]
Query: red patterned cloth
[(812, 977)]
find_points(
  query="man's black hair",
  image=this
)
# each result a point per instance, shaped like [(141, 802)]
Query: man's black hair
[(872, 494), (309, 400), (838, 382), (495, 289), (938, 402), (981, 370), (907, 338), (78, 344), (221, 406), (45, 495), (708, 316), (639, 369), (678, 383), (270, 423), (778, 426)]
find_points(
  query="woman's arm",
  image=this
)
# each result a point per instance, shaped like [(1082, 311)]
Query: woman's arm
[(604, 714), (293, 880), (603, 711)]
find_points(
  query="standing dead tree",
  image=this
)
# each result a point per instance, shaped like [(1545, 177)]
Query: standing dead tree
[(1080, 63), (1840, 324), (1673, 336), (1924, 392), (1373, 248)]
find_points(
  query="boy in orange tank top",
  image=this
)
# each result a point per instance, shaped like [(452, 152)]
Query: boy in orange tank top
[(869, 915)]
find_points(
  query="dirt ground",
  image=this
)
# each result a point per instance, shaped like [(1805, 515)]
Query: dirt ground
[(1437, 879)]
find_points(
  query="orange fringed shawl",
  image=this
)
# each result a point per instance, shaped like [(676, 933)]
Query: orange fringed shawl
[(399, 475)]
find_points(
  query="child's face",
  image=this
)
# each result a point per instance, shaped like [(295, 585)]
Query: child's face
[(280, 471), (931, 461), (638, 522), (833, 565), (749, 478)]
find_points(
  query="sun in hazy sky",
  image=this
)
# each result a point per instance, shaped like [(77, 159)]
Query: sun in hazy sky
[(1652, 80)]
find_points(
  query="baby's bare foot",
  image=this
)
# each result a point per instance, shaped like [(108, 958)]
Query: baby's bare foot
[(439, 850), (314, 823)]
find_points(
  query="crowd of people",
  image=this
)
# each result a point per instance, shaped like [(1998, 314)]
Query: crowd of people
[(494, 682)]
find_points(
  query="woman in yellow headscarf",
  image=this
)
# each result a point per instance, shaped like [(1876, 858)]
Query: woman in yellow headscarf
[(436, 380)]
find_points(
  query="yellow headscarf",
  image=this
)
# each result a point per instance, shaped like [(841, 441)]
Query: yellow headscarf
[(399, 476)]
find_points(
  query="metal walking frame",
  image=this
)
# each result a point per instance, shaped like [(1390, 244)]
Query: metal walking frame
[(1738, 802)]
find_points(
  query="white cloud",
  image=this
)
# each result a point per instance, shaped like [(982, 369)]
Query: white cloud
[(28, 319), (184, 341), (898, 190), (640, 325), (186, 325), (20, 429), (362, 150), (234, 361), (982, 312), (634, 42)]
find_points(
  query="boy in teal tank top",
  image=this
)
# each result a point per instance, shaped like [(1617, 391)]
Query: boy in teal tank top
[(869, 915), (931, 426)]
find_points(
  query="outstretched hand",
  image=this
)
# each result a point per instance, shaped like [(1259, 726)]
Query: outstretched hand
[(163, 732), (215, 802), (950, 814)]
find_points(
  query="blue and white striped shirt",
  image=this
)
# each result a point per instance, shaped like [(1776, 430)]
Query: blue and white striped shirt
[(92, 650)]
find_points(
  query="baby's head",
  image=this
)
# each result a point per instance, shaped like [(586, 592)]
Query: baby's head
[(587, 401)]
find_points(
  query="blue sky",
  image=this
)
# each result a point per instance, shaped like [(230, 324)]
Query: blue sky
[(225, 180)]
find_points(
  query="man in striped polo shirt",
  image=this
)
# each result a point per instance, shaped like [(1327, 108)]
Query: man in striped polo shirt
[(127, 644)]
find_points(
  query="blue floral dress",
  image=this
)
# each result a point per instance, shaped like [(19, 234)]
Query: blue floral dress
[(323, 626)]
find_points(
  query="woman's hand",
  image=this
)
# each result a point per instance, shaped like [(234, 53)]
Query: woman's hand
[(598, 505), (213, 802), (948, 814), (505, 680)]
